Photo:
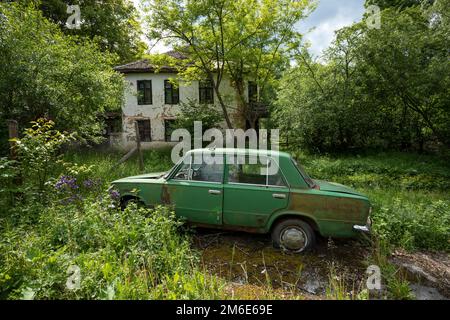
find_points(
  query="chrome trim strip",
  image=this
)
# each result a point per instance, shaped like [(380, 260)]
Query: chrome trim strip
[(361, 228)]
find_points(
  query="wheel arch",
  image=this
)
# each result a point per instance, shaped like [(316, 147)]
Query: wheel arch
[(292, 215), (129, 196)]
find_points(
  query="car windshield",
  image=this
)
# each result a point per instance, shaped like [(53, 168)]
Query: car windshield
[(305, 176)]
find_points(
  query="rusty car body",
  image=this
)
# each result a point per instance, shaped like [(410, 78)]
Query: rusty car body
[(238, 195)]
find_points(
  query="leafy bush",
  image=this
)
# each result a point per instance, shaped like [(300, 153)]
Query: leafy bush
[(78, 244), (27, 180), (38, 151), (192, 111), (413, 220), (135, 254), (45, 72), (412, 226)]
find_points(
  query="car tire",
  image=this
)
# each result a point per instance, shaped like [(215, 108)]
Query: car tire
[(128, 201), (293, 235)]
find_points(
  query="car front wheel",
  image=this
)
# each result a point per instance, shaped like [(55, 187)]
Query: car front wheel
[(126, 202), (293, 235)]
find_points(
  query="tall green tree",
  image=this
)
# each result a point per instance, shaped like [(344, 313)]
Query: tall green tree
[(397, 4), (408, 59), (112, 24), (236, 39), (45, 73), (386, 87)]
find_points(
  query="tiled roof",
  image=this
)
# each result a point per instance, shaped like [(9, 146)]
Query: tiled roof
[(144, 65), (176, 54), (141, 66)]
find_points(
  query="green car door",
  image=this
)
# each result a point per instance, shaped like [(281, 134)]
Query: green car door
[(196, 191), (251, 194)]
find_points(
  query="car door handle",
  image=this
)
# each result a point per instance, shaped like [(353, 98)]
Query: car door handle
[(214, 191), (279, 196)]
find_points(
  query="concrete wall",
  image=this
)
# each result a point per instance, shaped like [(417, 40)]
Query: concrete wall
[(158, 110)]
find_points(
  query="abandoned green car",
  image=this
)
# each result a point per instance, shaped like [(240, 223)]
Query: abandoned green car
[(240, 193)]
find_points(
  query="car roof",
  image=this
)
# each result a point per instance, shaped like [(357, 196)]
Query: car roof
[(240, 151)]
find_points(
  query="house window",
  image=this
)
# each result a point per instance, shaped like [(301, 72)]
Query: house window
[(144, 88), (145, 132), (252, 92), (171, 93), (169, 127), (206, 92)]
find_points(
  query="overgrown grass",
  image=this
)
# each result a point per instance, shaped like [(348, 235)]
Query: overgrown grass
[(409, 192), (134, 254), (104, 163), (140, 254)]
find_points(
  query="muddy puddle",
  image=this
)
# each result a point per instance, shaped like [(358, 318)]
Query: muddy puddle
[(250, 260)]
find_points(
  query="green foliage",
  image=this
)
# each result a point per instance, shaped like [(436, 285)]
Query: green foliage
[(409, 194), (48, 74), (192, 111), (229, 39), (38, 151), (377, 88), (27, 180), (398, 4), (135, 254), (423, 225), (112, 24), (8, 182), (132, 254)]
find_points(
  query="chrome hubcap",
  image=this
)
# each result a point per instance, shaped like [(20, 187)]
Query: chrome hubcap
[(294, 239)]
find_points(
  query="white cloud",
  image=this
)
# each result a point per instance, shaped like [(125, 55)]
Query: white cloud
[(329, 16), (322, 35)]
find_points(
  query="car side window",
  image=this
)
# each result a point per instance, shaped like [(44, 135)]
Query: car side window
[(253, 172), (207, 172), (203, 171)]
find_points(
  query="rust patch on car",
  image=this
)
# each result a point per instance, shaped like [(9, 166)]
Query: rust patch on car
[(165, 195), (321, 207)]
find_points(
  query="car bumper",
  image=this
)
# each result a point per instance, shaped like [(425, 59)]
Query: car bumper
[(362, 228)]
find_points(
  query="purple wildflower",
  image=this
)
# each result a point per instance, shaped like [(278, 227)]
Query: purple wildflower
[(66, 181), (115, 195), (88, 183)]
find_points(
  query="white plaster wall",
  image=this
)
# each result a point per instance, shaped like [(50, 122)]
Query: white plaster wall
[(158, 111)]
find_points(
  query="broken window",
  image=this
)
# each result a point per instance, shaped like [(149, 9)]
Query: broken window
[(145, 132)]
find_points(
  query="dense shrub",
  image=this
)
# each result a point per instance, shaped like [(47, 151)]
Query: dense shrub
[(378, 88), (413, 226), (407, 192), (135, 254), (63, 237), (47, 73)]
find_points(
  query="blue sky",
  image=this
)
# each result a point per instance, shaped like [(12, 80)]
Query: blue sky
[(319, 27), (329, 16)]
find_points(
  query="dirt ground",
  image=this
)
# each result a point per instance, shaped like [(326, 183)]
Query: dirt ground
[(252, 266)]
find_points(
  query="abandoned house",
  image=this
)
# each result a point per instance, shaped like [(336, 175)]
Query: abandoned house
[(153, 102)]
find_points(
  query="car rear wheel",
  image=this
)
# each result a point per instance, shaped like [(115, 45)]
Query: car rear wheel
[(293, 235)]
